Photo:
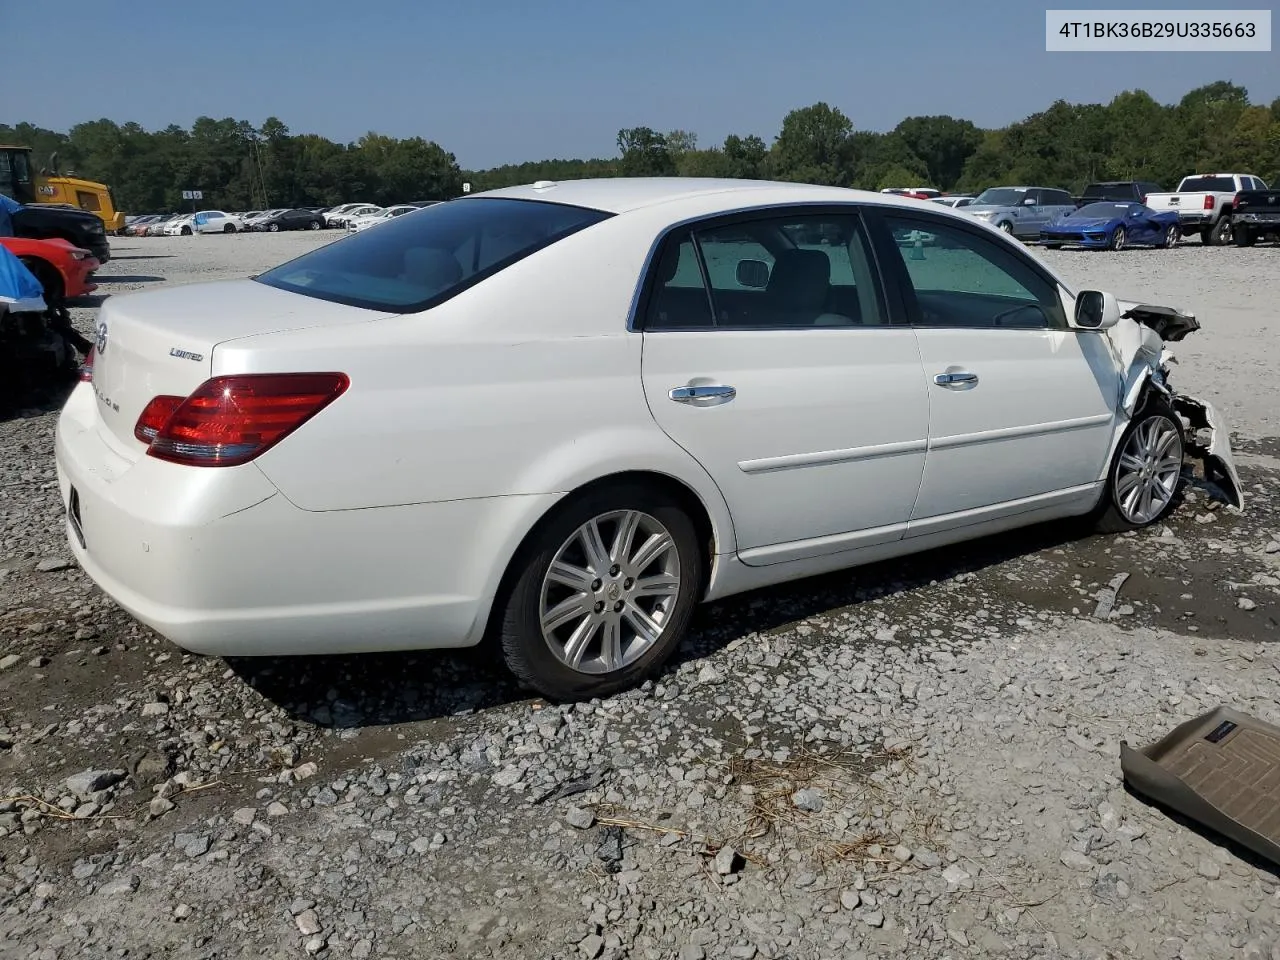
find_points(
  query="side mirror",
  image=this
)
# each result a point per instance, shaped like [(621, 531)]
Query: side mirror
[(1096, 310), (1029, 202), (753, 273)]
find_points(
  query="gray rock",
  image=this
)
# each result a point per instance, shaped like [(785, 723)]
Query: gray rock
[(591, 946), (808, 799), (1209, 869), (1244, 603), (244, 816), (9, 660), (727, 861), (308, 923), (873, 918), (119, 887), (850, 899), (691, 951), (91, 781), (159, 806), (1076, 861), (579, 818), (52, 565)]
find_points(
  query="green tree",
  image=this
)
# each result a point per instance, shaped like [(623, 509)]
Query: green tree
[(942, 143), (644, 153), (813, 146)]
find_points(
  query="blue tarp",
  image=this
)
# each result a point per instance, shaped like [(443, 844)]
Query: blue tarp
[(20, 291)]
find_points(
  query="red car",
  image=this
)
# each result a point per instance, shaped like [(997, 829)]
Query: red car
[(63, 269)]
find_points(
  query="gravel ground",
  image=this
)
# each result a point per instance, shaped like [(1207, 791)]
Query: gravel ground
[(914, 759)]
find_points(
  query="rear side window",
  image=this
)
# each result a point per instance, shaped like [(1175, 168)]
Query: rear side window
[(423, 258), (1055, 198)]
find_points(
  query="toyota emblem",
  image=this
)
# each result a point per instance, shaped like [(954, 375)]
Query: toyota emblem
[(101, 345)]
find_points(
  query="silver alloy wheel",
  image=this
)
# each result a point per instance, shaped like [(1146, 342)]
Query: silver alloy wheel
[(1172, 237), (1148, 470), (1117, 239), (1007, 227), (610, 591)]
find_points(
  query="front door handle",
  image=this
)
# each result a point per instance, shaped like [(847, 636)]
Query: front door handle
[(959, 379), (703, 395)]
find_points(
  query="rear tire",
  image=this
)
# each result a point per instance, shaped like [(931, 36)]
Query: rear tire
[(1143, 479), (274, 228), (605, 609), (1243, 238), (314, 225), (1219, 233), (1171, 238), (229, 228)]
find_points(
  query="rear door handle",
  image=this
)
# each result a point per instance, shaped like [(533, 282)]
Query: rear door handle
[(703, 395), (959, 379)]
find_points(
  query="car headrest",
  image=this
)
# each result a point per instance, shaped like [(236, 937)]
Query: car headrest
[(803, 277)]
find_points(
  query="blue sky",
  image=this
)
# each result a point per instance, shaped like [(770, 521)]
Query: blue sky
[(500, 81)]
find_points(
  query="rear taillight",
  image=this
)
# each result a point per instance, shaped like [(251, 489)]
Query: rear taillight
[(1208, 201), (86, 368), (1235, 202), (154, 416), (232, 420)]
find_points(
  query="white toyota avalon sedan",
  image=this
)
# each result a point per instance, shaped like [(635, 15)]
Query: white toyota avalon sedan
[(559, 416)]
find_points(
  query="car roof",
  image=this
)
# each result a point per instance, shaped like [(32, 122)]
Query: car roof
[(623, 194)]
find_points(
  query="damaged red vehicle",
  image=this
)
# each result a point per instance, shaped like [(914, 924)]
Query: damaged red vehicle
[(63, 269)]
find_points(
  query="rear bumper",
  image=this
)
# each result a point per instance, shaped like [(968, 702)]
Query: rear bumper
[(220, 562)]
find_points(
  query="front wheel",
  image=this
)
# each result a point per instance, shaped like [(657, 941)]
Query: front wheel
[(1006, 226), (603, 593), (229, 228), (1118, 239), (314, 225), (1144, 473), (1171, 238), (274, 228), (186, 231)]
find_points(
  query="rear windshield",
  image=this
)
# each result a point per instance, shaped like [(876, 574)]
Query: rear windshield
[(418, 260), (1102, 211), (1208, 185), (1109, 191)]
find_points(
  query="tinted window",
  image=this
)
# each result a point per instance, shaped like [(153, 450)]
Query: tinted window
[(962, 279), (413, 262), (1207, 185), (1102, 211), (1002, 197), (804, 271), (1055, 198)]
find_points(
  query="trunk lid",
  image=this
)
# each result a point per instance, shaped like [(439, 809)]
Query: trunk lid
[(1193, 202), (162, 341)]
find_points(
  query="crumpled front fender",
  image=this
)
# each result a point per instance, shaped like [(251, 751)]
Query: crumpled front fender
[(1219, 464)]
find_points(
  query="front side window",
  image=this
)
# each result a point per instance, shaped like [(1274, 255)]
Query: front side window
[(414, 263), (775, 272), (962, 279)]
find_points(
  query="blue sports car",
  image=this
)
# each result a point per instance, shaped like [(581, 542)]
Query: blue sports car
[(1112, 225)]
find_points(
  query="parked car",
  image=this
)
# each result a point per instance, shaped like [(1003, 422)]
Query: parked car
[(394, 427), (1134, 191), (954, 201), (339, 216), (296, 219), (1204, 203), (139, 226), (216, 221), (80, 228), (64, 270), (1021, 211), (357, 224), (1112, 225), (1255, 216), (157, 229)]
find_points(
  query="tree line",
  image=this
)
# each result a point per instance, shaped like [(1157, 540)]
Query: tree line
[(238, 166)]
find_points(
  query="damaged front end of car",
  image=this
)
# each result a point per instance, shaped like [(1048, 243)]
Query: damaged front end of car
[(1142, 344)]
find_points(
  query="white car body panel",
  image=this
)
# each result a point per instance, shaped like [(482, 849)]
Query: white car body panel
[(465, 424)]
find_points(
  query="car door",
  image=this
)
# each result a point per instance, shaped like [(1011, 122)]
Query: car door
[(1148, 229), (1022, 407), (770, 357)]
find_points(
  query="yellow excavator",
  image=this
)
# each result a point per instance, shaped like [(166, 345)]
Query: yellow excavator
[(19, 181)]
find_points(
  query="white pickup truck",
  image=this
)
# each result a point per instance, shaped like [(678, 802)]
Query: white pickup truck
[(1203, 203)]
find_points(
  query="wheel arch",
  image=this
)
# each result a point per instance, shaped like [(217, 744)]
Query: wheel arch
[(45, 271), (711, 534)]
